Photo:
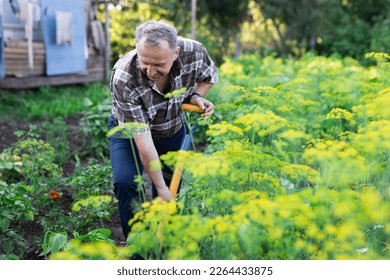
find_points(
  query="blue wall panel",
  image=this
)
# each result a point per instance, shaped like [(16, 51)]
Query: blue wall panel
[(64, 58)]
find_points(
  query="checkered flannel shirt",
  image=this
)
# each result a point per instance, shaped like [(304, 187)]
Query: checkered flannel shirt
[(135, 98)]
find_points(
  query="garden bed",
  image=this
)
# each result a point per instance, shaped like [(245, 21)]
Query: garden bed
[(32, 229)]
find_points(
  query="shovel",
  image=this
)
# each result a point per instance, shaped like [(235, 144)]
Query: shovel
[(185, 146), (177, 172)]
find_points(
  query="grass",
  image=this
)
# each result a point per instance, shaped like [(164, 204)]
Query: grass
[(49, 102)]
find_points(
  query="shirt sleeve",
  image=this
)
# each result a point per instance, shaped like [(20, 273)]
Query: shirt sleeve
[(208, 72), (126, 105)]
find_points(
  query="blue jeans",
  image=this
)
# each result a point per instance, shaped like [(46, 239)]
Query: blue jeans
[(124, 168)]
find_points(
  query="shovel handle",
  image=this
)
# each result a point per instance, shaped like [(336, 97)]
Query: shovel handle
[(192, 108)]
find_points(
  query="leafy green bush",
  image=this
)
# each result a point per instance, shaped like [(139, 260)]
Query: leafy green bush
[(94, 127)]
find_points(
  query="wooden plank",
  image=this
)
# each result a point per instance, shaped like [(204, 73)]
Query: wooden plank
[(22, 74), (39, 81), (10, 51), (21, 63), (24, 70), (21, 69), (23, 56), (24, 44)]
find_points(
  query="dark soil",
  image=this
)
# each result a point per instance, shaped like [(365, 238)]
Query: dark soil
[(33, 230)]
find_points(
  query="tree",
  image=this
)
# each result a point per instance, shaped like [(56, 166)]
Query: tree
[(224, 17), (298, 24), (128, 14), (218, 22), (327, 26)]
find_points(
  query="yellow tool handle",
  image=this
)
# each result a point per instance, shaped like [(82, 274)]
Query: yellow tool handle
[(192, 108), (175, 181)]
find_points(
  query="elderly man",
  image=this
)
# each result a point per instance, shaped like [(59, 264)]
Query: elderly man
[(161, 63)]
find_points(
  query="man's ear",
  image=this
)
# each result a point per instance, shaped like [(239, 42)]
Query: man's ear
[(177, 52)]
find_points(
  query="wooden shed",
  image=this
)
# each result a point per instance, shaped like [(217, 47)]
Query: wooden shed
[(52, 42)]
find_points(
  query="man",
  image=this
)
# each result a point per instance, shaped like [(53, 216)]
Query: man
[(161, 63)]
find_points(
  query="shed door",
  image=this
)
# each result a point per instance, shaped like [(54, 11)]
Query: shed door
[(69, 55)]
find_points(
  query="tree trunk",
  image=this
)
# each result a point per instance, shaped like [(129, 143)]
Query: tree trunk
[(282, 46), (237, 51)]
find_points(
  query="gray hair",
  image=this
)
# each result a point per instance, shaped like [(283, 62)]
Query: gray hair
[(153, 31)]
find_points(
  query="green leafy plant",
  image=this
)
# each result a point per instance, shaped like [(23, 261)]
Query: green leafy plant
[(56, 133), (94, 126)]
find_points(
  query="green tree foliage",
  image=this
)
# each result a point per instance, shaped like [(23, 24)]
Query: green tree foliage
[(349, 28), (223, 20), (217, 22), (333, 26), (295, 24), (127, 14)]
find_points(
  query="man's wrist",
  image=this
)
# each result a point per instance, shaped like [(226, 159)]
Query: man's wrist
[(196, 94)]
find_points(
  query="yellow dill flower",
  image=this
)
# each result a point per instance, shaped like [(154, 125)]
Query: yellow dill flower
[(128, 130), (66, 255), (377, 55), (221, 226), (301, 221), (192, 246), (276, 232), (339, 162), (374, 139), (330, 229), (349, 230), (77, 250), (177, 253), (299, 244), (230, 67), (299, 172), (225, 107), (330, 246), (338, 113), (175, 93), (210, 165), (235, 148), (265, 178), (92, 201), (344, 208), (313, 232), (146, 204), (155, 165), (223, 128), (263, 124), (374, 107), (374, 207), (294, 135)]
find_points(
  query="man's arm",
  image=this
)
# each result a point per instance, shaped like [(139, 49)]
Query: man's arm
[(202, 88), (149, 156)]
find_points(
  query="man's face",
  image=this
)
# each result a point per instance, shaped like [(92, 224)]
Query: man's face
[(156, 62)]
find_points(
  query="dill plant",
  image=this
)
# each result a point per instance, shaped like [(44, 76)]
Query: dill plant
[(296, 168)]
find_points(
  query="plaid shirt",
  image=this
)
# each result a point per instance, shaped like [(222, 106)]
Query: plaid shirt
[(135, 98)]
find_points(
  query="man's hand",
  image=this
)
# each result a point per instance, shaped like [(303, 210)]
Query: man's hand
[(164, 193), (204, 104)]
